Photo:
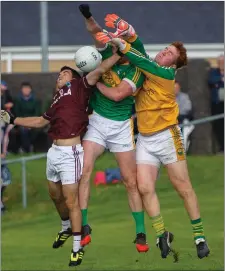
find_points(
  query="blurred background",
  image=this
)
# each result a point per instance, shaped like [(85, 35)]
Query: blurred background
[(38, 38)]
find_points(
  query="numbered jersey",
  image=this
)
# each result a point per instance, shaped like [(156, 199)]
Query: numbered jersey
[(68, 114)]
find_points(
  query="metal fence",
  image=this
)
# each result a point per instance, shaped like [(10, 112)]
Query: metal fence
[(24, 160), (10, 55)]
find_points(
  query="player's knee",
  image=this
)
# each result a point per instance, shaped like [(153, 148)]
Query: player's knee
[(56, 196), (186, 192), (145, 189), (130, 183), (72, 203), (184, 187)]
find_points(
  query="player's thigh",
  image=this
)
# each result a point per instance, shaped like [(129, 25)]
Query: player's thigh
[(148, 165), (92, 151), (170, 146), (179, 176), (71, 164), (145, 154), (70, 193), (51, 171), (127, 164), (146, 177), (55, 191), (96, 130), (120, 136)]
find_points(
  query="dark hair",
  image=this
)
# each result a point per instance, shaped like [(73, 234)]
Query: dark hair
[(74, 73), (26, 84)]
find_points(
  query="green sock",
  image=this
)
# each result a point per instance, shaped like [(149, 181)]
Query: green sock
[(158, 225), (139, 220), (197, 228), (84, 217)]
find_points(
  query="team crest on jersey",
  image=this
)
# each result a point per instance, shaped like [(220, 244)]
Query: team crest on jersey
[(111, 78)]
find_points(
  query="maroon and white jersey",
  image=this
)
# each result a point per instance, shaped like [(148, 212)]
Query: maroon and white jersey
[(68, 114)]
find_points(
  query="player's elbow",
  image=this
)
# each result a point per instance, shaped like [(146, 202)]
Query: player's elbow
[(122, 92), (119, 96), (41, 122)]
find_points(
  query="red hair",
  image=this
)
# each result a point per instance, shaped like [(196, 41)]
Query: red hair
[(182, 59)]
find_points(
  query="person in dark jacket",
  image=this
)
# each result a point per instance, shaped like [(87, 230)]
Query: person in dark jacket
[(216, 84), (6, 98), (27, 105)]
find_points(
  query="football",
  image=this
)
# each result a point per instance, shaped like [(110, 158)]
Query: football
[(87, 58)]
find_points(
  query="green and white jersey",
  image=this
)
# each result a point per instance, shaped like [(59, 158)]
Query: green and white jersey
[(110, 109)]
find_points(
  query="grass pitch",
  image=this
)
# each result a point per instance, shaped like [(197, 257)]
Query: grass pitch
[(27, 235)]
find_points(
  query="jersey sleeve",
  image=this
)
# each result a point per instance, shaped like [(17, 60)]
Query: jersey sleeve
[(83, 83), (135, 78), (82, 88), (48, 114), (146, 65), (138, 45), (106, 52)]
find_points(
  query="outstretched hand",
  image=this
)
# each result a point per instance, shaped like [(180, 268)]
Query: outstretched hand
[(7, 117), (107, 37), (122, 27), (85, 10), (104, 37)]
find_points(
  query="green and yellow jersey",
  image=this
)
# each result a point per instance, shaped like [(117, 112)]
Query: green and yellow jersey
[(156, 105), (110, 109)]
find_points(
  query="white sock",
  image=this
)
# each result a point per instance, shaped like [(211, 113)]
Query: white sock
[(76, 242), (65, 225)]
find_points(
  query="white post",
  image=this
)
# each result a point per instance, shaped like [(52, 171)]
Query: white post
[(9, 63), (44, 35)]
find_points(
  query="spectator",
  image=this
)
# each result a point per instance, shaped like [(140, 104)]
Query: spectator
[(185, 114), (27, 105), (6, 98), (216, 84), (184, 103)]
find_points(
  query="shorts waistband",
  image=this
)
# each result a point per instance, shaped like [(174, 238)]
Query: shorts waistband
[(67, 148), (110, 120), (161, 131)]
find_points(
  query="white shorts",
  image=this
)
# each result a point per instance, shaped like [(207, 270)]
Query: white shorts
[(165, 147), (117, 136), (65, 164)]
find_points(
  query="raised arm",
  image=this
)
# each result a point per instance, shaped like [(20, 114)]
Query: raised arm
[(146, 65), (137, 44), (91, 25), (94, 76), (126, 31)]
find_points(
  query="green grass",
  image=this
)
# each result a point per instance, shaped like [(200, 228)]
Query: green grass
[(27, 235)]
